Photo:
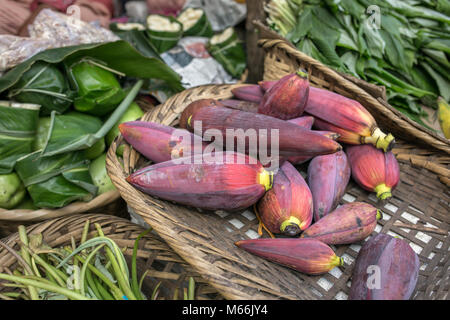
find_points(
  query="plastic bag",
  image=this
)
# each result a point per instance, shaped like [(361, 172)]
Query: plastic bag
[(191, 60), (221, 13), (18, 125)]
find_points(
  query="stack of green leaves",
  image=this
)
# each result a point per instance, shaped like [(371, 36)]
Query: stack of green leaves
[(96, 269), (402, 45), (65, 102)]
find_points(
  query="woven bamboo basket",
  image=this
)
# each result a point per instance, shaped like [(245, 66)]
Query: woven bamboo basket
[(417, 212), (420, 146), (109, 202), (154, 256)]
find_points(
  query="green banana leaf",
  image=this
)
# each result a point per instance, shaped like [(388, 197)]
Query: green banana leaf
[(18, 125), (54, 182), (229, 53), (99, 91), (67, 128), (408, 52), (118, 55), (139, 40), (76, 131), (43, 84), (42, 133)]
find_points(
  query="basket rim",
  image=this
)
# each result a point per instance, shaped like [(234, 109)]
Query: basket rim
[(28, 215), (270, 39)]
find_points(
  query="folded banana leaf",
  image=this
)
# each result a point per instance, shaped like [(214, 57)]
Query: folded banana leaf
[(68, 128), (227, 49), (118, 55), (42, 133), (98, 90), (54, 182), (76, 131), (136, 36), (18, 125), (43, 84), (195, 23), (163, 32)]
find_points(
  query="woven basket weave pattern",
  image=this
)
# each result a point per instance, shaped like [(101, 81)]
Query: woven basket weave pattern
[(206, 240)]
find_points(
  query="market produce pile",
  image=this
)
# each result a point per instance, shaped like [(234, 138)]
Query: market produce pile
[(93, 269), (402, 45), (338, 139), (159, 33), (61, 116)]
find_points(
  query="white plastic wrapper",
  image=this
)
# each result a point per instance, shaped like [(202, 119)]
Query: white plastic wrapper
[(67, 31), (50, 29), (192, 62), (14, 50), (221, 13)]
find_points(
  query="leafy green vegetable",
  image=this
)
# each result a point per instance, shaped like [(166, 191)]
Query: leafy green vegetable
[(43, 84), (95, 269), (229, 52), (76, 131), (118, 55), (67, 129), (54, 182), (442, 83), (402, 45)]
